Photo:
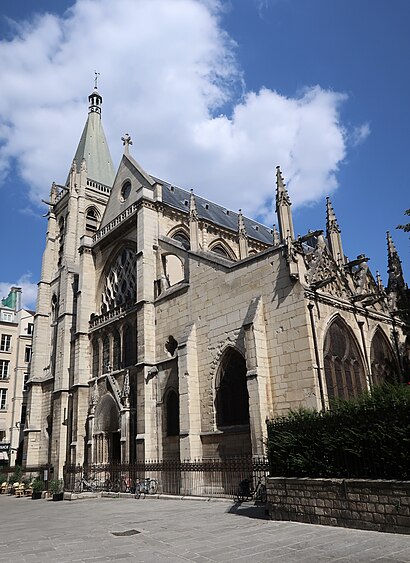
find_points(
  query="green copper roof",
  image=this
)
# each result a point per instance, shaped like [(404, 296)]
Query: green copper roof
[(93, 146)]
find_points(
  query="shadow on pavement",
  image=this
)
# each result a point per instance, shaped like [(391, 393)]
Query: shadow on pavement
[(256, 510)]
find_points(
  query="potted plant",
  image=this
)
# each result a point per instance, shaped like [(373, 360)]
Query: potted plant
[(38, 487), (56, 486)]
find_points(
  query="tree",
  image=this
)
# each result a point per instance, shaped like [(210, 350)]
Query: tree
[(406, 227)]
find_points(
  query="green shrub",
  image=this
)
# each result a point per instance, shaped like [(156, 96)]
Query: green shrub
[(368, 437), (38, 485), (56, 486)]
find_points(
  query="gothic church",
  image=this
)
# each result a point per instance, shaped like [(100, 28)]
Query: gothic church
[(170, 327)]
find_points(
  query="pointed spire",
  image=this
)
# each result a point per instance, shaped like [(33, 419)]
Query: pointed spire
[(283, 208), (193, 223), (379, 282), (193, 213), (333, 234), (93, 147), (275, 236), (243, 237), (396, 279)]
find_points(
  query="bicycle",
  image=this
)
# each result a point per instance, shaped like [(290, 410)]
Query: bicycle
[(146, 486), (245, 491), (84, 484), (119, 485)]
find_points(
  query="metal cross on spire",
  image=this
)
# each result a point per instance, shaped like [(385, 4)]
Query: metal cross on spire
[(126, 141), (97, 74)]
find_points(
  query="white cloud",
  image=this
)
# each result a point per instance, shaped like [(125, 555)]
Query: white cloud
[(360, 134), (28, 294), (166, 67)]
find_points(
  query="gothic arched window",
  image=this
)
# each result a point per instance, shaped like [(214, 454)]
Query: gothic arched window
[(344, 371), (128, 346), (91, 221), (232, 398), (116, 356), (181, 237), (172, 413), (96, 358), (120, 284), (219, 249), (61, 232), (106, 354), (384, 366)]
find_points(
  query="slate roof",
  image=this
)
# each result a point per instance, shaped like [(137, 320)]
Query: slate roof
[(179, 199)]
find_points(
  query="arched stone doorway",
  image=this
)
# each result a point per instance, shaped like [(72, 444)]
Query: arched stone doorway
[(107, 434), (232, 405)]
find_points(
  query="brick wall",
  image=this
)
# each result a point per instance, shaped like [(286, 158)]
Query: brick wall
[(352, 503)]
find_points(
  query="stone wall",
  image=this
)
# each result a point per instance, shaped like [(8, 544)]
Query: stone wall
[(382, 506)]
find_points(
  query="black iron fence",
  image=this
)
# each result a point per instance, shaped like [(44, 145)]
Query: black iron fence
[(210, 478)]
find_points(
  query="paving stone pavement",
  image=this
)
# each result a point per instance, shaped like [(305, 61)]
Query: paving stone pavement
[(162, 530)]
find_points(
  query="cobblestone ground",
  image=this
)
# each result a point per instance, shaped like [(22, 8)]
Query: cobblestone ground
[(160, 530)]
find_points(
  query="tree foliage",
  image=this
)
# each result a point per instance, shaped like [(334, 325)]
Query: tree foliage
[(365, 438), (406, 226)]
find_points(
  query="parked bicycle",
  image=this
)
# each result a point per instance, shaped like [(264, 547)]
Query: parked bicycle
[(86, 484), (146, 486), (119, 485), (246, 491)]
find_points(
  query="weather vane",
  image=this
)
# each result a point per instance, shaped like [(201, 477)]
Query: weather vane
[(97, 74)]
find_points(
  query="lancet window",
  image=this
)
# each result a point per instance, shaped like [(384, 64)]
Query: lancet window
[(116, 352), (91, 221), (384, 366), (344, 371), (120, 284)]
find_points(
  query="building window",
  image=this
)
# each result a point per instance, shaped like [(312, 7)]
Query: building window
[(106, 354), (91, 221), (384, 366), (23, 415), (120, 285), (116, 352), (7, 317), (4, 369), (344, 371), (3, 399), (183, 239), (172, 413), (27, 354), (232, 398), (30, 328), (96, 358), (5, 343), (26, 378)]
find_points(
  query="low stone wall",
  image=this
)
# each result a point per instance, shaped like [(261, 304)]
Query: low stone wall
[(351, 503)]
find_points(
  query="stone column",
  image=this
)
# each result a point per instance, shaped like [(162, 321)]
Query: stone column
[(189, 396)]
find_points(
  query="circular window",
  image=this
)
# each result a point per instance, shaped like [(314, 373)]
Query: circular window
[(125, 191)]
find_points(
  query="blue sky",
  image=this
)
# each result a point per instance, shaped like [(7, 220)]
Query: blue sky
[(215, 95)]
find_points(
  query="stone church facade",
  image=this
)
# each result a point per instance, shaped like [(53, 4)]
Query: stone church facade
[(170, 327)]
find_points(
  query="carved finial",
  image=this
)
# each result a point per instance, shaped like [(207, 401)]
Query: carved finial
[(379, 280), (193, 214), (241, 225), (83, 165), (275, 236), (331, 221), (97, 74), (126, 141)]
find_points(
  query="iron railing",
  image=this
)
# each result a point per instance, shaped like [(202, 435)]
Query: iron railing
[(210, 477)]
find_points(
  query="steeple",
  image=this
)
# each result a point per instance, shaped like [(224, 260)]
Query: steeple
[(283, 208), (333, 234), (394, 269), (93, 154)]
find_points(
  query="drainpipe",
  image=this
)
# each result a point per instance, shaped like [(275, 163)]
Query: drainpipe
[(319, 371)]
